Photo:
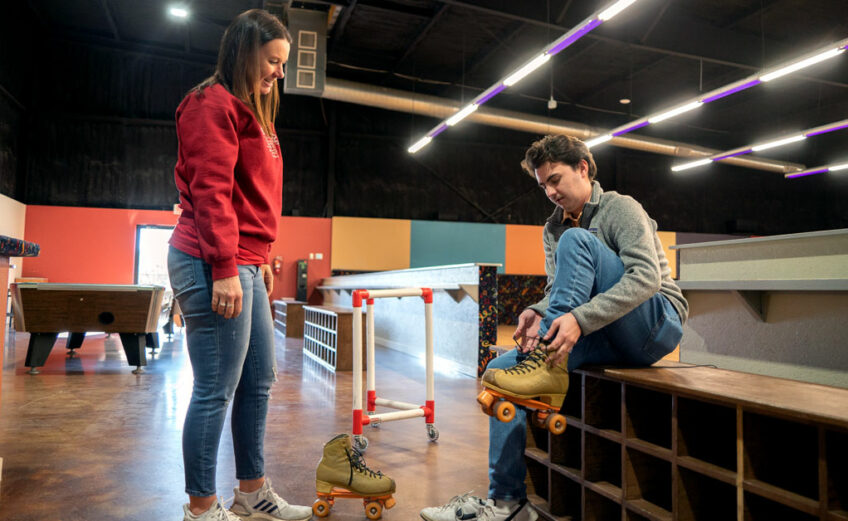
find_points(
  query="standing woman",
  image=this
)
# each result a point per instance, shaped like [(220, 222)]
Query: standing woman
[(229, 175)]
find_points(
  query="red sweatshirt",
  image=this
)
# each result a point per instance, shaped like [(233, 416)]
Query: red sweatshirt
[(230, 178)]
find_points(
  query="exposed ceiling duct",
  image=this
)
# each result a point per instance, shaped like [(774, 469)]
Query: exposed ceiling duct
[(440, 108)]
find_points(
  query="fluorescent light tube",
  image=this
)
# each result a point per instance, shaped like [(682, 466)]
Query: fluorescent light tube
[(693, 164), (598, 140), (179, 12), (534, 64), (675, 112), (801, 64), (421, 143), (459, 116), (614, 9), (779, 142), (843, 166)]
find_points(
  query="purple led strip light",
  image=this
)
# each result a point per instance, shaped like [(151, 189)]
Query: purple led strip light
[(826, 130), (632, 128), (732, 154), (441, 128), (497, 90), (811, 172), (574, 37), (731, 91)]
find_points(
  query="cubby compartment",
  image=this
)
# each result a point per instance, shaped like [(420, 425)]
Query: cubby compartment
[(573, 404), (694, 420), (602, 409), (761, 509), (566, 500), (537, 438), (648, 479), (600, 508), (566, 450), (537, 479), (633, 516), (781, 453), (836, 446), (602, 462), (700, 498), (648, 415)]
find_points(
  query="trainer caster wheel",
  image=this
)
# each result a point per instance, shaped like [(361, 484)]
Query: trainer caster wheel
[(321, 508), (360, 442), (432, 432), (373, 510), (504, 411)]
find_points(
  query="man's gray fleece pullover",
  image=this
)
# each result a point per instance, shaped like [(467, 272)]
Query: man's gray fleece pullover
[(624, 227)]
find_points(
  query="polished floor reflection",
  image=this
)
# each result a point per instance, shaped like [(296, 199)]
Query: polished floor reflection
[(88, 440)]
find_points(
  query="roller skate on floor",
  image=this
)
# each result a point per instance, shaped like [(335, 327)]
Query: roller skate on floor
[(532, 383), (342, 473)]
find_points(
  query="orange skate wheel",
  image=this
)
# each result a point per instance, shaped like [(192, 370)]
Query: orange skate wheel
[(373, 510), (540, 419), (504, 411), (321, 508), (555, 423), (389, 502)]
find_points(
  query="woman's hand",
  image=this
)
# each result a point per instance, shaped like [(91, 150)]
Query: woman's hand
[(226, 297), (562, 335), (527, 330), (268, 277)]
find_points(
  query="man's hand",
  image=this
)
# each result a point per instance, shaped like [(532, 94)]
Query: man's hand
[(268, 277), (527, 332), (226, 297), (562, 335)]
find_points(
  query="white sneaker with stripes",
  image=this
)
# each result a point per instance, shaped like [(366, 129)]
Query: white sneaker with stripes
[(265, 504), (216, 512)]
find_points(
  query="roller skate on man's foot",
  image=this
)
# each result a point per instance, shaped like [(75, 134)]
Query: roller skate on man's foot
[(342, 473), (533, 384), (265, 505)]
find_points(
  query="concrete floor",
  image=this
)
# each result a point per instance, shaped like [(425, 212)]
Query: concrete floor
[(89, 440)]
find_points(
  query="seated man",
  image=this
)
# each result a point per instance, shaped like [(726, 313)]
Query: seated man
[(610, 299)]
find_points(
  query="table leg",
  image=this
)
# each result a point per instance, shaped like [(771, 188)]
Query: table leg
[(74, 342), (134, 346), (152, 341), (40, 345)]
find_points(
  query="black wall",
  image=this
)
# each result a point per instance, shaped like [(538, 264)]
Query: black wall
[(95, 128)]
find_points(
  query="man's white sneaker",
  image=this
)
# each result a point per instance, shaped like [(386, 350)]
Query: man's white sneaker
[(459, 508), (215, 513), (265, 504), (500, 510)]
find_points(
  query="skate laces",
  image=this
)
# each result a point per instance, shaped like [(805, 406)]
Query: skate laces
[(358, 463), (533, 361)]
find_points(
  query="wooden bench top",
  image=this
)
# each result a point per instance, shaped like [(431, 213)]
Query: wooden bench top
[(767, 394), (339, 310)]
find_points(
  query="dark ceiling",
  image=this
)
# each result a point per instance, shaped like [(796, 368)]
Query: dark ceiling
[(656, 53)]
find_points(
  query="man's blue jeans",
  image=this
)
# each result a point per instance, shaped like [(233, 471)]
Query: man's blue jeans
[(585, 267), (232, 360)]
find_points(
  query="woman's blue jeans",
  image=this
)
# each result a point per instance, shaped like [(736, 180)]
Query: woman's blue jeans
[(232, 360), (585, 267)]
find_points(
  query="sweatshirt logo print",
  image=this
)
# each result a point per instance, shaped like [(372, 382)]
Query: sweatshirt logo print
[(271, 142)]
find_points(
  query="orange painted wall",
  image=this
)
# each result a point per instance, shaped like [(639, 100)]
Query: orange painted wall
[(86, 245), (297, 237), (97, 245), (525, 254)]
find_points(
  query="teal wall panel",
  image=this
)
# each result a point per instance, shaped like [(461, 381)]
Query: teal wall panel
[(435, 243)]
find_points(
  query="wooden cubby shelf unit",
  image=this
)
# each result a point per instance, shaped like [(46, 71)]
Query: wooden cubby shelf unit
[(692, 443)]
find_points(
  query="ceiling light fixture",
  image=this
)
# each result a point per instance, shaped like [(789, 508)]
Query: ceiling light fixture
[(179, 12), (823, 129), (817, 170), (779, 142), (462, 114), (675, 112), (824, 53), (803, 63), (598, 140), (553, 48)]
